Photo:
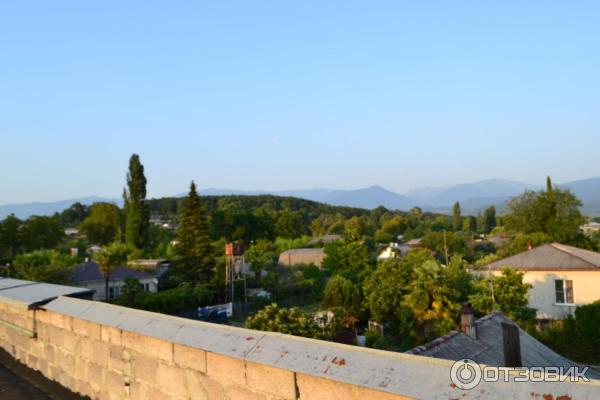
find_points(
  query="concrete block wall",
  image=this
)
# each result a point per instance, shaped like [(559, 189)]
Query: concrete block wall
[(109, 352)]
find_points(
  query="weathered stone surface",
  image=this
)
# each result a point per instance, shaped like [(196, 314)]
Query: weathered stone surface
[(171, 380), (275, 381), (189, 357), (225, 369)]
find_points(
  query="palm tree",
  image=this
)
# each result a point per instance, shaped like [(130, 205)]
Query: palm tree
[(109, 258)]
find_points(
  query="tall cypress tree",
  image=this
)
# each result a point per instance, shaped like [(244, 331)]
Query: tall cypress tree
[(456, 217), (137, 215), (194, 246)]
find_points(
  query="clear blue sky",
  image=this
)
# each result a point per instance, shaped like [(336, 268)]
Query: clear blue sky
[(295, 94)]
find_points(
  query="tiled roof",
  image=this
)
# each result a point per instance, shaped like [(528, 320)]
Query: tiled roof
[(554, 256), (488, 347), (90, 272)]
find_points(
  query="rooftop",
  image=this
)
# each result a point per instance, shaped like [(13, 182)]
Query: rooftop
[(90, 272), (553, 256), (488, 347)]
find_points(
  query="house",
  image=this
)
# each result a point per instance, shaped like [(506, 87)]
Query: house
[(154, 266), (562, 277), (393, 250), (411, 244), (591, 228), (302, 256), (483, 341), (88, 275), (71, 232)]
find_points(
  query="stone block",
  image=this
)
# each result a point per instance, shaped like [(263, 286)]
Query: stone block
[(111, 335), (171, 380), (225, 369), (189, 357), (275, 381), (86, 329), (144, 368), (159, 348), (240, 393)]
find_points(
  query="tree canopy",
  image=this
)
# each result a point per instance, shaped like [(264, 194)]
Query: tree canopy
[(136, 211)]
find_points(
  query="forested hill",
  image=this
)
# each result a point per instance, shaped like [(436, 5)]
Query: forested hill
[(170, 206), (251, 217)]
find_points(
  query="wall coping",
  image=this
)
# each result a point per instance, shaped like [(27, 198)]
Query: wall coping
[(396, 373)]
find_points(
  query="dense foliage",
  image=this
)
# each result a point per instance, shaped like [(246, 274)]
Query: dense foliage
[(292, 321)]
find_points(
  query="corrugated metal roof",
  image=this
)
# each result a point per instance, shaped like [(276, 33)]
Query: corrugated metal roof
[(31, 294), (488, 347), (554, 256)]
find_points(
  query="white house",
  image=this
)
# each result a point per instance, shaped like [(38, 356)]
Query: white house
[(88, 275), (563, 277)]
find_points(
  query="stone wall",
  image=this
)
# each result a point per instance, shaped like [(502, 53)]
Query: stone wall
[(110, 352)]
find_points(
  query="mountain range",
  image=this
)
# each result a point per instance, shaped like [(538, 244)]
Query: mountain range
[(473, 197)]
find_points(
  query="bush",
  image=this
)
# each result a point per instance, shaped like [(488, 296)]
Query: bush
[(582, 330), (170, 301), (371, 337)]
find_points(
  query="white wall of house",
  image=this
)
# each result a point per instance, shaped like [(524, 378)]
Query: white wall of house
[(542, 296), (149, 285)]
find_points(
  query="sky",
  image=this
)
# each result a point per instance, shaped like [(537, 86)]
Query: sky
[(295, 94)]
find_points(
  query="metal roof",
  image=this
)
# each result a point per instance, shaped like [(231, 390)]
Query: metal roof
[(554, 256), (31, 294), (488, 348)]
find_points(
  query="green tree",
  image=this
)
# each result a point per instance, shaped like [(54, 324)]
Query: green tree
[(456, 217), (289, 224), (470, 224), (9, 237), (442, 242), (350, 260), (432, 301), (103, 225), (132, 290), (261, 256), (343, 297), (40, 232), (137, 214), (110, 257), (44, 266), (292, 321), (489, 217), (391, 229), (415, 297), (194, 246), (555, 212), (74, 215), (358, 227), (506, 293)]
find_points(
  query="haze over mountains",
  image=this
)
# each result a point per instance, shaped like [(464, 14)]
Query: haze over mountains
[(473, 197)]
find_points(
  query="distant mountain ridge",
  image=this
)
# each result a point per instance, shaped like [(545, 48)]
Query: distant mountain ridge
[(473, 197), (25, 210)]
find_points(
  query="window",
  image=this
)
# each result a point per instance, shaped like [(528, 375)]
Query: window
[(114, 291), (564, 291), (146, 287)]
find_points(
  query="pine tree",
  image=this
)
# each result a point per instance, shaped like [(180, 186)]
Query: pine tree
[(194, 246), (137, 215), (456, 217)]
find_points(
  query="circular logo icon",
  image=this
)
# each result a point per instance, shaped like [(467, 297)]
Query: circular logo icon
[(465, 374)]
